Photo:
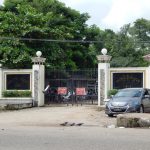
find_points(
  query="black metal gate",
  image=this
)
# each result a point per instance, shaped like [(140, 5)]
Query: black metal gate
[(79, 86)]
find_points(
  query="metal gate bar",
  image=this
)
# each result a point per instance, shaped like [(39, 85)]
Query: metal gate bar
[(86, 78)]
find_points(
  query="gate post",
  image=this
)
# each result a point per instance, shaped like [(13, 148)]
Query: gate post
[(1, 80), (38, 79), (103, 76), (147, 58)]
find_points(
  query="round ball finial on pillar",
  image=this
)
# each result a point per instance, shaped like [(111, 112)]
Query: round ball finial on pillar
[(103, 58), (38, 60), (104, 51), (147, 57), (38, 53)]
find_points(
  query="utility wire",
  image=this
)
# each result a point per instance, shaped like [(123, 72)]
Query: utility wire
[(49, 40), (63, 41)]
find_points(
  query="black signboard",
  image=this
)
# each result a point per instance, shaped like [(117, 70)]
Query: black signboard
[(127, 80), (18, 81)]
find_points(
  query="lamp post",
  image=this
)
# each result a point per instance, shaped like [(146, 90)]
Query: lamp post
[(103, 76)]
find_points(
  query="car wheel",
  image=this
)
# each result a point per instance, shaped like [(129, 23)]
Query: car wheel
[(141, 109), (110, 115)]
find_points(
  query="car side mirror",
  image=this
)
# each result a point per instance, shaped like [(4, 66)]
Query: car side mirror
[(146, 96)]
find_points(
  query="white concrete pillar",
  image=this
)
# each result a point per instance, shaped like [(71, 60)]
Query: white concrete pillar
[(147, 58), (103, 76), (147, 78), (38, 79), (38, 76), (1, 80), (103, 82)]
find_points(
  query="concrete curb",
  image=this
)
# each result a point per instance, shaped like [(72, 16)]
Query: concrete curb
[(101, 108), (134, 120)]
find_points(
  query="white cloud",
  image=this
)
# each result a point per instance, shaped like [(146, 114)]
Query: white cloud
[(126, 11), (97, 9), (112, 14), (1, 2)]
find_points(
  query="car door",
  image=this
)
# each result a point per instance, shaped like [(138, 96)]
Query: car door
[(146, 101), (148, 109)]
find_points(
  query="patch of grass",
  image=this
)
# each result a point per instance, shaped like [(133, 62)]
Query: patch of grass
[(16, 93)]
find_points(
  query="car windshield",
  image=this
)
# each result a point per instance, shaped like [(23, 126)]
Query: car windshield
[(129, 93)]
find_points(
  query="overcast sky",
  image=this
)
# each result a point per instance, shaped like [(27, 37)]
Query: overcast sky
[(111, 14)]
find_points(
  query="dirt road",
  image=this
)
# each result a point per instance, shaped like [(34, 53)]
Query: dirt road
[(54, 116)]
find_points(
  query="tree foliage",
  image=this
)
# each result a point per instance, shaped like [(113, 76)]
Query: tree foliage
[(51, 19), (46, 19), (129, 45)]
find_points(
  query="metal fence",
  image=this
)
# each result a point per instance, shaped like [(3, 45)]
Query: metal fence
[(81, 86)]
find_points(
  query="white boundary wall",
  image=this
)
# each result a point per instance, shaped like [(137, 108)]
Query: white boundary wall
[(3, 82), (37, 80), (108, 79), (6, 72), (144, 70)]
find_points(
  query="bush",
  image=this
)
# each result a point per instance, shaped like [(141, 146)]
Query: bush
[(16, 93), (112, 92)]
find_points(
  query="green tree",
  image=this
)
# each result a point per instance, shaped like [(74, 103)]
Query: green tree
[(129, 45), (140, 33), (44, 19), (51, 19)]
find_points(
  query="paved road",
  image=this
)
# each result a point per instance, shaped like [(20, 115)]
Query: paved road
[(39, 129), (73, 138)]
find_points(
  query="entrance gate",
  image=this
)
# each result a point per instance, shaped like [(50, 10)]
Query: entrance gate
[(68, 86)]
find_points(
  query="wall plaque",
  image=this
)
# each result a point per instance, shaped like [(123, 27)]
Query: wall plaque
[(17, 81), (127, 80)]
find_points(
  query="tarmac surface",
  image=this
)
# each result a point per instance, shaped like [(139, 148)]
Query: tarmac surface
[(42, 129)]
